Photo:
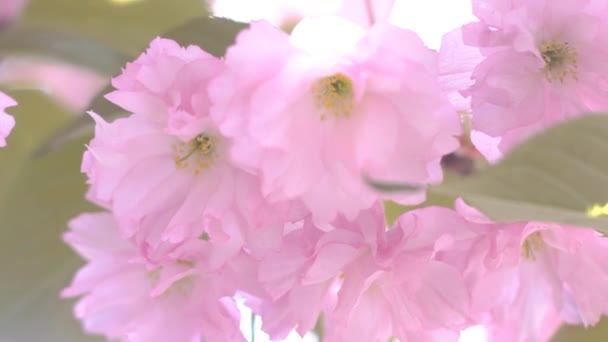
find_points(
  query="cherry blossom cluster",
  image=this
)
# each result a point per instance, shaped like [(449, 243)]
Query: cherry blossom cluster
[(246, 177)]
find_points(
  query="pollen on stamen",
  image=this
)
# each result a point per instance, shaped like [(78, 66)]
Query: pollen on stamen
[(560, 61), (334, 96), (181, 286), (532, 245), (198, 153)]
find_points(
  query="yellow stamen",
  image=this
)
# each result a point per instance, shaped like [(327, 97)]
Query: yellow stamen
[(532, 245), (560, 60), (182, 286), (334, 95), (202, 150)]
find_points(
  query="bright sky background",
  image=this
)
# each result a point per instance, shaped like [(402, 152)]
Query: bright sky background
[(431, 18)]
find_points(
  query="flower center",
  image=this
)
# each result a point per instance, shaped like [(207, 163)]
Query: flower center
[(181, 286), (532, 245), (199, 153), (560, 60), (334, 95)]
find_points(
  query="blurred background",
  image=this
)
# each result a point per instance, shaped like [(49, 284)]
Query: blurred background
[(56, 59)]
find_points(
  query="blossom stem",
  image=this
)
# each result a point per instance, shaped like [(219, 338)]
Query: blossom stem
[(253, 327), (370, 12)]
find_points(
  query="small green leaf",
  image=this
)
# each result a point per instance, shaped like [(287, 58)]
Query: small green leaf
[(556, 176), (213, 35), (69, 48)]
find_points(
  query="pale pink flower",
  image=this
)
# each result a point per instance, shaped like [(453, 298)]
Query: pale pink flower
[(290, 12), (165, 171), (71, 86), (162, 189), (298, 278), (181, 300), (316, 112), (456, 64), (526, 276), (370, 284), (510, 330), (543, 65), (168, 84), (7, 122), (408, 284)]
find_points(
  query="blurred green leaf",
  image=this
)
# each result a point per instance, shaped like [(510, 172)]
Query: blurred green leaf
[(556, 176), (70, 48), (213, 35), (37, 197), (81, 126), (125, 27), (578, 333)]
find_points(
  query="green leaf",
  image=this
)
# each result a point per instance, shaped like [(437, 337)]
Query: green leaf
[(37, 197), (65, 47), (125, 27), (556, 176), (81, 126), (213, 35), (578, 333)]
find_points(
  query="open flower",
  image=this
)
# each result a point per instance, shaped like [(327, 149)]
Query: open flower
[(528, 276), (316, 112), (181, 300), (165, 171), (543, 65), (370, 284)]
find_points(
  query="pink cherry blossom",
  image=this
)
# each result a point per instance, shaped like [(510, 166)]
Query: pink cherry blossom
[(456, 64), (297, 279), (542, 66), (369, 283), (7, 122), (165, 171), (181, 300), (529, 275), (168, 84), (408, 285), (289, 12), (315, 113)]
